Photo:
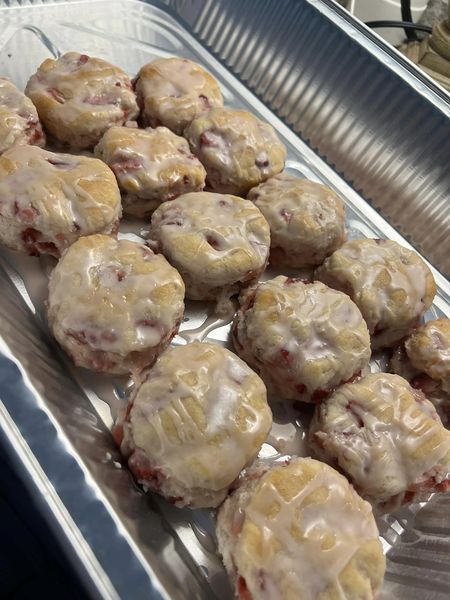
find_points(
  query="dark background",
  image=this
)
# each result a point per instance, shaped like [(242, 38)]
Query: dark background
[(32, 564)]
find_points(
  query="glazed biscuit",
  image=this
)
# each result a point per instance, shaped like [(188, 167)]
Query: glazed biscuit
[(113, 305), (79, 97), (173, 91), (391, 285), (49, 200), (19, 121), (386, 437), (304, 339), (299, 530), (424, 360), (306, 219), (151, 167), (237, 150), (219, 243), (197, 419)]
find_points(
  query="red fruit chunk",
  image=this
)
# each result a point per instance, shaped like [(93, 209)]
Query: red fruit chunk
[(34, 247), (287, 216), (292, 280), (174, 499), (378, 329), (204, 102), (27, 214), (301, 388), (425, 383), (352, 378), (206, 140), (319, 395), (249, 302), (83, 59), (34, 134), (101, 99), (117, 433), (428, 485), (147, 323), (286, 356), (57, 95), (79, 336), (126, 164), (60, 164), (144, 472), (243, 591), (352, 408), (213, 242), (108, 336), (102, 361)]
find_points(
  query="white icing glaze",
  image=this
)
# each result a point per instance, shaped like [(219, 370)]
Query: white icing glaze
[(115, 297), (428, 349), (200, 416), (215, 241), (173, 91), (310, 524), (59, 197), (19, 122), (306, 219), (151, 166), (238, 150), (391, 285), (304, 339), (386, 436), (79, 97)]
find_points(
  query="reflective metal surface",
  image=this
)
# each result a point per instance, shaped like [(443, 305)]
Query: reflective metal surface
[(55, 418)]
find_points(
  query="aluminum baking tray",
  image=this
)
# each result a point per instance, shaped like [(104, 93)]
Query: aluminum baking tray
[(56, 418)]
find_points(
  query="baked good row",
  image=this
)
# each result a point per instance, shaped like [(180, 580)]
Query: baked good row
[(80, 98), (303, 337), (220, 243)]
